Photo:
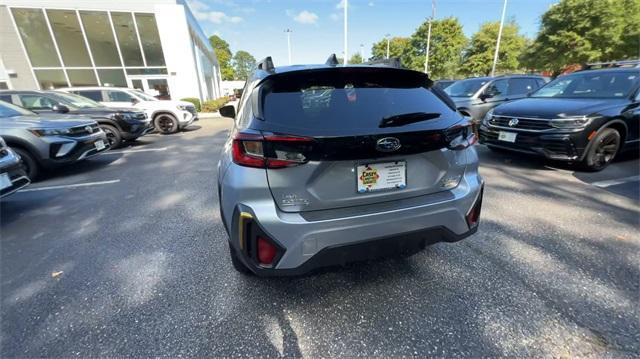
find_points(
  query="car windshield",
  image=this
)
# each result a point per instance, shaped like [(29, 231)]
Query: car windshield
[(10, 110), (75, 100), (616, 84), (144, 96), (465, 88)]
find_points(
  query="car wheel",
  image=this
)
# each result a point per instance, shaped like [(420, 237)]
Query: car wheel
[(166, 123), (237, 264), (113, 135), (29, 163), (602, 151)]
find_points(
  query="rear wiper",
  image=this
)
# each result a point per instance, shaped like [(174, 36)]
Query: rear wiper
[(407, 118)]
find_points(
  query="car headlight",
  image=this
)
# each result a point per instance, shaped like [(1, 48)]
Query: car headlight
[(487, 117), (125, 116), (40, 132), (182, 107), (571, 121)]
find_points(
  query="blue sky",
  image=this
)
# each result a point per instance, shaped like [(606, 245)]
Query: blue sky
[(257, 26)]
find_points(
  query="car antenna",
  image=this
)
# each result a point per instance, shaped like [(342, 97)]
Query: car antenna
[(332, 60), (266, 64)]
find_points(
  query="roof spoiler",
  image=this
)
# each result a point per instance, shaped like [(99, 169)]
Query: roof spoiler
[(332, 60), (391, 62), (266, 64)]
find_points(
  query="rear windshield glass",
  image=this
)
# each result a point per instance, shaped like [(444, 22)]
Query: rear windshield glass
[(329, 100)]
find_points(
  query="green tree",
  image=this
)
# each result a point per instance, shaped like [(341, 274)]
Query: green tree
[(445, 49), (356, 59), (223, 53), (478, 57), (579, 31), (399, 47), (243, 64)]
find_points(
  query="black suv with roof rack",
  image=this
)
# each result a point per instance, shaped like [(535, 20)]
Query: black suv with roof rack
[(586, 117)]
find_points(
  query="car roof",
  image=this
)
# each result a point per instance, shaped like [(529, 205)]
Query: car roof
[(79, 88), (607, 70)]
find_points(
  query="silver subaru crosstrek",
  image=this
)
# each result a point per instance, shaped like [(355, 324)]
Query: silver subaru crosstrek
[(328, 164)]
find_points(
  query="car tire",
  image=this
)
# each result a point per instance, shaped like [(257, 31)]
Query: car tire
[(602, 150), (165, 123), (237, 264), (29, 163), (113, 135)]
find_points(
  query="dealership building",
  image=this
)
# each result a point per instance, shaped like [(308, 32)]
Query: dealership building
[(153, 45)]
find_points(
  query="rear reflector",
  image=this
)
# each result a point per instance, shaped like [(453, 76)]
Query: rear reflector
[(266, 251), (473, 217)]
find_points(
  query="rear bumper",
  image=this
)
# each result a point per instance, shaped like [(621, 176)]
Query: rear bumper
[(555, 146), (309, 241)]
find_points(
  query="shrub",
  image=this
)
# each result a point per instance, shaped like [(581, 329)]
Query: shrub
[(214, 105), (195, 101)]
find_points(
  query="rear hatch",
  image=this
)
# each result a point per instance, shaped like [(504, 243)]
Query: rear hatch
[(355, 136)]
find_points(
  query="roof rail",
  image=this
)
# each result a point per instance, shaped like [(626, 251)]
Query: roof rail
[(332, 60), (609, 64), (391, 62), (266, 64)]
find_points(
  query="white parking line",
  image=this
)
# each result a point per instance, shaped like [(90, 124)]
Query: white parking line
[(135, 151), (69, 186), (614, 182)]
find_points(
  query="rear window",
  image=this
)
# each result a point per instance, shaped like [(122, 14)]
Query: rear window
[(347, 99)]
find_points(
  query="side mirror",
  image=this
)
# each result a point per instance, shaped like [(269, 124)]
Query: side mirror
[(228, 111), (60, 108), (484, 96), (134, 100)]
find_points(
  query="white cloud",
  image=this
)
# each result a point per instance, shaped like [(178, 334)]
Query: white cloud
[(217, 17), (305, 17), (340, 5)]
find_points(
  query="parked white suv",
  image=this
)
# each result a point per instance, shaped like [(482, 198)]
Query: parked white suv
[(168, 116)]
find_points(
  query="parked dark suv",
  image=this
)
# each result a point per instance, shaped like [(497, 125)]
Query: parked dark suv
[(586, 117), (117, 123), (475, 96)]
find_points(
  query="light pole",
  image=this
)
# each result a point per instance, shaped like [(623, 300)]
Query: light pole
[(362, 52), (495, 56), (288, 31), (344, 61), (433, 15), (388, 36)]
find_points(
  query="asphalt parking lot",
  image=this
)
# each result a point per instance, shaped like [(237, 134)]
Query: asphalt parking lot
[(125, 256)]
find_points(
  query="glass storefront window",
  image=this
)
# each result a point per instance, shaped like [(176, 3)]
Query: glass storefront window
[(36, 37), (51, 79), (127, 39), (161, 86), (101, 41), (112, 77), (66, 29), (82, 78), (150, 39)]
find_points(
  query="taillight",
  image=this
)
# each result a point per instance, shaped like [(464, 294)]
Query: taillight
[(461, 137), (269, 151), (266, 251)]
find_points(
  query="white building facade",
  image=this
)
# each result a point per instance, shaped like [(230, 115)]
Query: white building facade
[(153, 45)]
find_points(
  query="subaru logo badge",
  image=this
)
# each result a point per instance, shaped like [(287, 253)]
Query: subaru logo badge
[(513, 122), (88, 129), (388, 144)]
